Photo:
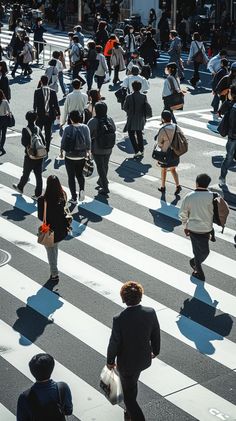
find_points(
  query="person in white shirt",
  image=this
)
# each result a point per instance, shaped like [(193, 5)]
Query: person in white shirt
[(214, 64), (128, 80), (197, 54), (196, 213), (136, 60), (102, 69), (59, 66), (75, 101)]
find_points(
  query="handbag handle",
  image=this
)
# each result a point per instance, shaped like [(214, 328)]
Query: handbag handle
[(45, 213)]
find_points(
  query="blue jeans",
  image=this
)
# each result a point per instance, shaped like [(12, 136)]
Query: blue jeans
[(52, 253), (61, 81), (89, 75), (230, 151)]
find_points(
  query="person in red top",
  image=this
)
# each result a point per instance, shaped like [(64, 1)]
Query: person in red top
[(108, 50)]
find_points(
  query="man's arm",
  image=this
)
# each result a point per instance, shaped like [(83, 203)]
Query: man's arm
[(184, 214), (65, 111), (22, 412), (55, 103), (35, 101), (114, 343), (155, 335)]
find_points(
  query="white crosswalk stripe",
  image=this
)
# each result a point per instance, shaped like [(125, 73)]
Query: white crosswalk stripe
[(179, 387)]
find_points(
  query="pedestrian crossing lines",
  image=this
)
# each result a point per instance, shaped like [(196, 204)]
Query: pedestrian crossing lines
[(179, 388)]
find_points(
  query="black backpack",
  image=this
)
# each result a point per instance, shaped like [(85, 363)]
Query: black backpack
[(106, 134), (223, 127), (74, 140), (52, 411)]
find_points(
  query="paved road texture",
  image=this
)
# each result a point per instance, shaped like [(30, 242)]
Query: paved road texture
[(133, 234)]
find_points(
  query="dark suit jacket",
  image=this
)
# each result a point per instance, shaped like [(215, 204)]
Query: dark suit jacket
[(39, 105), (135, 335)]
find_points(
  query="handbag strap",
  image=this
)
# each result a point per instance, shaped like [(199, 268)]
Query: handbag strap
[(172, 86), (199, 48), (45, 212), (167, 134)]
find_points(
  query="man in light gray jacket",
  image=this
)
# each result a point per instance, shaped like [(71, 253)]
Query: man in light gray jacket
[(175, 52)]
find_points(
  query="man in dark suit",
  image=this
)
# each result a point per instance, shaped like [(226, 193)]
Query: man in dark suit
[(47, 108), (134, 341)]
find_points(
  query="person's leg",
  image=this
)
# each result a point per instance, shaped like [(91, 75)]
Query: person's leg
[(3, 134), (27, 168), (106, 163), (52, 253), (163, 177), (38, 168), (70, 169), (133, 140), (180, 69), (175, 176), (230, 150), (130, 391), (48, 132), (139, 135), (102, 172), (108, 60), (79, 165), (200, 246), (61, 81), (116, 74), (215, 103), (89, 77)]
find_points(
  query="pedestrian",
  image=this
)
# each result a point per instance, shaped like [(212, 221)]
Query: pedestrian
[(27, 54), (102, 69), (101, 36), (4, 113), (29, 165), (135, 106), (93, 97), (46, 396), (196, 214), (170, 87), (51, 72), (135, 76), (80, 35), (4, 82), (197, 54), (75, 158), (46, 107), (183, 31), (117, 61), (223, 71), (164, 30), (164, 139), (108, 50), (39, 41), (115, 11), (130, 43), (59, 66), (152, 20), (136, 60), (60, 16), (18, 45), (231, 142), (76, 56), (147, 49), (75, 101), (68, 49), (175, 53), (134, 342), (102, 145), (91, 63), (214, 64), (224, 84)]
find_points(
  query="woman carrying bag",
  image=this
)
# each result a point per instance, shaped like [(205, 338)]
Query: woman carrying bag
[(167, 158), (197, 54), (4, 120), (51, 210), (117, 61), (172, 94)]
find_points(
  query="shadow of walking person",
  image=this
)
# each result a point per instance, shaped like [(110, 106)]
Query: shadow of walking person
[(37, 314), (201, 309)]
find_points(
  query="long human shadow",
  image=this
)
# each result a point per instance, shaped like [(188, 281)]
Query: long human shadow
[(31, 323), (131, 169), (166, 217), (204, 314)]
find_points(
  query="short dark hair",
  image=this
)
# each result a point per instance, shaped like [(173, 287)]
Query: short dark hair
[(76, 116), (223, 53), (131, 293), (136, 85), (41, 366), (75, 38), (224, 61), (91, 45), (196, 36), (26, 39), (135, 70), (31, 116), (70, 34), (44, 80), (203, 180), (56, 54), (173, 33), (76, 84), (166, 115), (99, 48)]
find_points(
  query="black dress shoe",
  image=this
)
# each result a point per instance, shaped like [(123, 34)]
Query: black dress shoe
[(127, 416), (162, 189), (178, 190), (104, 192), (192, 263), (199, 276)]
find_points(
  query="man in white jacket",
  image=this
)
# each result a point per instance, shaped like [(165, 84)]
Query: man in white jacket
[(196, 213), (75, 101), (128, 80)]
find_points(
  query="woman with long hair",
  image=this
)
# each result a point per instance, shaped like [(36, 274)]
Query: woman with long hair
[(101, 36), (4, 112), (4, 83), (54, 199)]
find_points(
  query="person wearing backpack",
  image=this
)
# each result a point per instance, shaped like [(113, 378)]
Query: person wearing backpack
[(197, 54), (76, 142), (46, 400), (76, 57), (196, 213), (30, 164), (102, 129)]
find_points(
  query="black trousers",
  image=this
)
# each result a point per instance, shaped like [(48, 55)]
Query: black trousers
[(130, 391), (196, 76), (46, 122), (37, 167), (137, 141), (74, 169), (39, 46), (116, 73), (200, 246), (102, 162)]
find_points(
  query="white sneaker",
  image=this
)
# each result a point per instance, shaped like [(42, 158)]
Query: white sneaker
[(73, 201), (222, 181), (81, 195), (34, 197)]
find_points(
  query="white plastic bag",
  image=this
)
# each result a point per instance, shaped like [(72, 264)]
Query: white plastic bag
[(111, 385)]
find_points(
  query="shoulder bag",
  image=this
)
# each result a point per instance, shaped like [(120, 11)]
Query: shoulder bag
[(164, 157), (45, 234), (198, 56), (175, 101)]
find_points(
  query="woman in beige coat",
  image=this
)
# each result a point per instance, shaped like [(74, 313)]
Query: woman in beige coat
[(27, 54), (117, 61)]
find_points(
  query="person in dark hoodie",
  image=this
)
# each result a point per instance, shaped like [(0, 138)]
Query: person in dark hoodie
[(223, 71), (101, 153), (224, 84)]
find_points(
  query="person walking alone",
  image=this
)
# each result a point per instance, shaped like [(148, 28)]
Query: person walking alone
[(134, 342), (197, 54), (4, 113), (117, 61)]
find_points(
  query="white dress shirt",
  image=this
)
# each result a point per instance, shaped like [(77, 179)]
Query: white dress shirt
[(76, 100)]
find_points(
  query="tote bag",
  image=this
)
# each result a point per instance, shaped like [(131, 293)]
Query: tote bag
[(45, 234)]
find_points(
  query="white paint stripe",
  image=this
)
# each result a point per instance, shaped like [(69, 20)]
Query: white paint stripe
[(181, 328), (5, 414), (192, 122), (88, 403), (209, 294), (176, 114), (13, 134), (82, 326), (160, 206)]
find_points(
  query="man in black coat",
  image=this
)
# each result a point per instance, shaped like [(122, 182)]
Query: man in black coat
[(134, 341), (47, 108)]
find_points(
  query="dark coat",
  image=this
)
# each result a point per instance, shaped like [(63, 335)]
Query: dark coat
[(134, 107), (147, 49), (38, 32), (4, 86), (218, 76), (135, 335), (101, 37), (55, 217), (39, 105), (225, 83)]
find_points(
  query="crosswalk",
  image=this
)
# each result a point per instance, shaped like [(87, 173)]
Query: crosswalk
[(111, 242)]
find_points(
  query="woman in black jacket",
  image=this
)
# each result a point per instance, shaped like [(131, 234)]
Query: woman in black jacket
[(4, 83), (101, 36), (148, 49), (55, 200)]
